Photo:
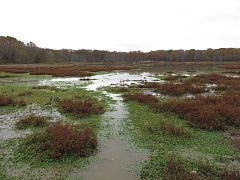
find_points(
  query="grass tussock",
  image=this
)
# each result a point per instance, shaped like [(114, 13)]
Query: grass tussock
[(31, 121), (212, 113), (61, 139), (6, 100), (81, 107)]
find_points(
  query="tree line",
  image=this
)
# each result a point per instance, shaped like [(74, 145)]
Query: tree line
[(13, 51)]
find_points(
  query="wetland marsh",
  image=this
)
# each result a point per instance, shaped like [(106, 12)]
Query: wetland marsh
[(147, 122)]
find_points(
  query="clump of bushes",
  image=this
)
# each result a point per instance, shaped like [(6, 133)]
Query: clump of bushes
[(223, 82), (81, 107), (212, 113), (6, 100), (61, 139), (179, 89), (31, 121), (140, 97), (174, 89)]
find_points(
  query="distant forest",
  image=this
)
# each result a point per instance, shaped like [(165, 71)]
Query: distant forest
[(13, 51)]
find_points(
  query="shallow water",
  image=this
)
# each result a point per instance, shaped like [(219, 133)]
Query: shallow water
[(116, 159), (98, 81)]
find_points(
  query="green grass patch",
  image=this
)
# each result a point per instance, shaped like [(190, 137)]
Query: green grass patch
[(200, 145)]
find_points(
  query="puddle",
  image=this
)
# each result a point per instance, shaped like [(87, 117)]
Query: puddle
[(8, 120)]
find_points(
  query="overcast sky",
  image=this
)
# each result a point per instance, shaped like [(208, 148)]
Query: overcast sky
[(123, 25)]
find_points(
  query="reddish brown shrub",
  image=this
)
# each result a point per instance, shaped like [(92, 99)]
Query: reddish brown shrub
[(223, 82), (81, 107), (140, 97), (6, 100), (230, 174), (59, 70), (230, 66), (173, 89), (179, 89), (175, 170), (25, 93), (206, 112), (31, 120), (61, 139), (171, 129)]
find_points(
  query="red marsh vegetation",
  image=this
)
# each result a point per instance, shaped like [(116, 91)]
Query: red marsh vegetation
[(59, 70), (174, 89), (61, 139), (81, 107), (6, 100), (31, 120)]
